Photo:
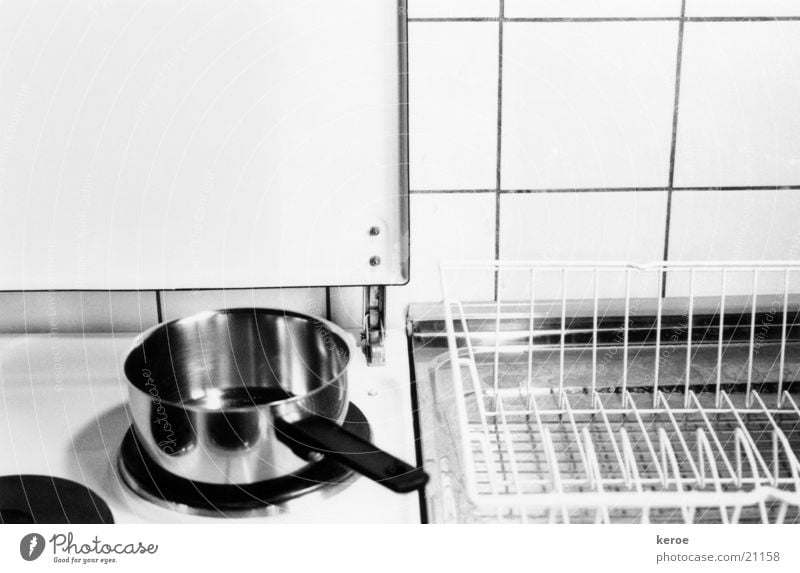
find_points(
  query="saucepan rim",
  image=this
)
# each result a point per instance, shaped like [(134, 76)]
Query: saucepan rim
[(329, 326)]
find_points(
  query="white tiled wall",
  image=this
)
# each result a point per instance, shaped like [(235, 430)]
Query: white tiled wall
[(742, 8), (739, 120), (591, 8), (587, 104), (752, 224), (453, 8), (573, 101), (596, 160), (453, 118), (625, 226)]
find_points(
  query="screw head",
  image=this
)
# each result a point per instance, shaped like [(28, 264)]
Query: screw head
[(374, 231), (375, 261)]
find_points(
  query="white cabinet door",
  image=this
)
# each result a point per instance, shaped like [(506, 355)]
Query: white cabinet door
[(202, 144)]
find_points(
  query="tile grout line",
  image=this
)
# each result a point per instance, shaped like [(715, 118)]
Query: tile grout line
[(450, 191), (455, 19), (556, 20), (498, 175), (666, 188), (328, 303), (499, 179), (674, 141), (159, 312)]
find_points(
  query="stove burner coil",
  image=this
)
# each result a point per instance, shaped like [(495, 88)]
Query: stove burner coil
[(153, 483), (46, 499)]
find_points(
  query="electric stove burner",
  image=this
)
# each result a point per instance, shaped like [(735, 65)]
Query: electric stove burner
[(155, 484), (45, 499)]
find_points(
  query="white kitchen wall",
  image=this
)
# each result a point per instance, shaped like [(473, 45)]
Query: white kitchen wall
[(565, 129), (743, 8), (626, 130), (591, 8), (176, 304), (73, 311), (453, 107), (587, 105), (739, 117), (735, 224), (452, 8), (590, 226)]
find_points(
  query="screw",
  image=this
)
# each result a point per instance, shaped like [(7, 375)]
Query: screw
[(374, 231), (375, 261)]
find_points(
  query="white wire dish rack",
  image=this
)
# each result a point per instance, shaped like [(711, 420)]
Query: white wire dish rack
[(612, 392)]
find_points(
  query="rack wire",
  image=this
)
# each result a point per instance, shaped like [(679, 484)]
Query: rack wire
[(665, 392)]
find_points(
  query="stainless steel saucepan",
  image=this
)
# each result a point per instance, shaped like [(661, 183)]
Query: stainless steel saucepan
[(245, 395)]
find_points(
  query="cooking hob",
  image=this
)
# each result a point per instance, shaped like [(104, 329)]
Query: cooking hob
[(63, 414)]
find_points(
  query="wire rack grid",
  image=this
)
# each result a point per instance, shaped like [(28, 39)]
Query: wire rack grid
[(647, 393)]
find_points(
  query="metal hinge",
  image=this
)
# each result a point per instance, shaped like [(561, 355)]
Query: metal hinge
[(374, 331)]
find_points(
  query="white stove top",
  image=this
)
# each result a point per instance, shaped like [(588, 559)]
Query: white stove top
[(62, 413)]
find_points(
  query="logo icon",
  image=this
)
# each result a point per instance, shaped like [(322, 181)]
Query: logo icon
[(31, 546)]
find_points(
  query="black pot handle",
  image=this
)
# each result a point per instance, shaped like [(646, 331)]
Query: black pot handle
[(318, 434)]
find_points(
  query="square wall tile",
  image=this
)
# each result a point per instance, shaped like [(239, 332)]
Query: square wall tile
[(588, 105), (591, 8), (77, 312), (578, 227), (752, 225), (443, 227), (742, 8), (177, 304), (453, 105), (739, 116), (453, 8)]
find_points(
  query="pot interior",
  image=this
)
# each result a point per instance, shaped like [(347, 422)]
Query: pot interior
[(237, 358)]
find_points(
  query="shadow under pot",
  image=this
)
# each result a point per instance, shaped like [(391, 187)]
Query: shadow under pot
[(245, 395)]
